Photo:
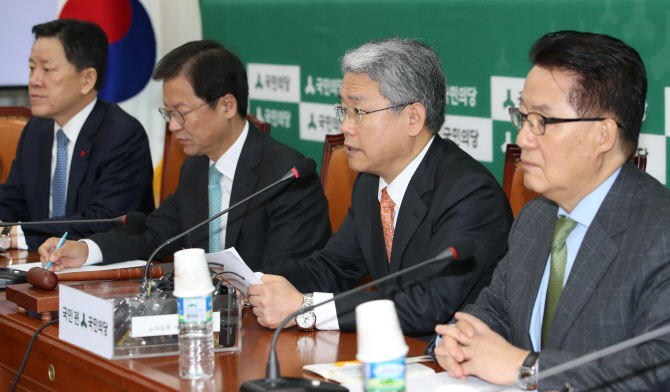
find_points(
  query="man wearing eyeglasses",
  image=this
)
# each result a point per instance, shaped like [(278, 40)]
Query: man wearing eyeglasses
[(205, 93), (588, 264), (416, 195)]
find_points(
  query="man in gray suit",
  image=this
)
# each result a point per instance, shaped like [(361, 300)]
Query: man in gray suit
[(587, 265)]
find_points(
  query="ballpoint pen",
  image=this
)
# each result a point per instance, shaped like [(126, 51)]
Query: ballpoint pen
[(62, 240)]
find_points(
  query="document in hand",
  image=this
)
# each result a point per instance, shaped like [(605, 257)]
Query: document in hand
[(242, 277)]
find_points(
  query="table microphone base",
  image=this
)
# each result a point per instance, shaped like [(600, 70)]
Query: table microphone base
[(288, 384)]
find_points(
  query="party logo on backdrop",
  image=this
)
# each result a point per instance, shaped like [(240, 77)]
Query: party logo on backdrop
[(317, 120), (322, 86), (472, 134), (272, 82), (505, 94), (132, 43)]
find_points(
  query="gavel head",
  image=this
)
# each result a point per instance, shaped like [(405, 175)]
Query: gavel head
[(42, 278)]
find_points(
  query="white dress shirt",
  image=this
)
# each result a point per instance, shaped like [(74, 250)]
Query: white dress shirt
[(71, 130), (226, 164)]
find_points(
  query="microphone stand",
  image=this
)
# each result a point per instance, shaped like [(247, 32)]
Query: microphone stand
[(293, 173), (274, 382)]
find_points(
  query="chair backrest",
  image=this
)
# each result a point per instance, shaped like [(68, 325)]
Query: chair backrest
[(12, 121), (337, 179), (516, 191), (174, 156)]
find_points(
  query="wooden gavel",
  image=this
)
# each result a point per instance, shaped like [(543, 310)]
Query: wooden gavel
[(48, 280)]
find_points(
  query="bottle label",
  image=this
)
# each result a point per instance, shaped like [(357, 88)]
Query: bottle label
[(384, 376), (195, 310)]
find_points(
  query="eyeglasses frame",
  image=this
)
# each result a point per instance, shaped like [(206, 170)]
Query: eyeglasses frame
[(551, 120), (361, 112), (167, 115)]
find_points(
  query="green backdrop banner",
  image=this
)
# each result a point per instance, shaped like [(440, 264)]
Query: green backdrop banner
[(292, 47)]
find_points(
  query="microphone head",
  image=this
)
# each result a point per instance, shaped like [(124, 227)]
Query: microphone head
[(134, 219), (304, 168)]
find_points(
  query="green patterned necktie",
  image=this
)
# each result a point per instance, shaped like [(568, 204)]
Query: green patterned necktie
[(559, 259), (214, 188)]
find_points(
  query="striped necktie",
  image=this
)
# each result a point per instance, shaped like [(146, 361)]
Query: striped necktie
[(58, 186)]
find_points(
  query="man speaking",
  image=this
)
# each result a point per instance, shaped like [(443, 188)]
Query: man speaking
[(416, 196)]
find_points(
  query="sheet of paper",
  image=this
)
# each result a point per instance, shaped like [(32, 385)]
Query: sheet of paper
[(441, 382), (231, 261), (353, 372), (125, 264)]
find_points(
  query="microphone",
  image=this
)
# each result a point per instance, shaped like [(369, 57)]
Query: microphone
[(274, 382), (134, 219), (10, 276), (302, 169)]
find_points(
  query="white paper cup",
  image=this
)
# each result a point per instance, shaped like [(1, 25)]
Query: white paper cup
[(380, 337), (191, 274)]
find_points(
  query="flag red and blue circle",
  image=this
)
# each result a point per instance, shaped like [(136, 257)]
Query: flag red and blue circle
[(132, 43)]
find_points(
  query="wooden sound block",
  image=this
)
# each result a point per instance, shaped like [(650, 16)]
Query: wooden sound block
[(27, 297)]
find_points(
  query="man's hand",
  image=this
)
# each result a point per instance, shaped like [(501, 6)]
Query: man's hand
[(471, 348), (274, 301), (13, 238), (72, 254)]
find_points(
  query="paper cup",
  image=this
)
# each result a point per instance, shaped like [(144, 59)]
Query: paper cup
[(191, 274), (380, 337)]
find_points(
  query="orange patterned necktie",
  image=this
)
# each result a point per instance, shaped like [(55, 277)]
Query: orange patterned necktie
[(387, 206)]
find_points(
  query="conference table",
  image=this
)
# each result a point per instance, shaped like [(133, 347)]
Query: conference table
[(55, 365)]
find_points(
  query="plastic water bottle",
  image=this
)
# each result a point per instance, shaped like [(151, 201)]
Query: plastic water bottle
[(196, 342)]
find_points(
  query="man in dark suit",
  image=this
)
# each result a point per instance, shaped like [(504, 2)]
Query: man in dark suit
[(205, 93), (588, 263), (80, 157), (416, 196)]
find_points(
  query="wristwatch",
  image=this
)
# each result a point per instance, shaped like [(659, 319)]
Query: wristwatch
[(526, 376), (306, 321), (5, 239)]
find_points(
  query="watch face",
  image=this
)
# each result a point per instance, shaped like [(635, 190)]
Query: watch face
[(306, 320)]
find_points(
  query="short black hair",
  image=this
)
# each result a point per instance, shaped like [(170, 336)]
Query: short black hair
[(212, 70), (611, 78), (85, 44)]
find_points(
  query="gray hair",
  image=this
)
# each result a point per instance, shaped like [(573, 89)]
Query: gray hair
[(407, 70)]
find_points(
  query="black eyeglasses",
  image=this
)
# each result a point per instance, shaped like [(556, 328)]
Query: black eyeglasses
[(179, 117), (355, 113), (537, 122)]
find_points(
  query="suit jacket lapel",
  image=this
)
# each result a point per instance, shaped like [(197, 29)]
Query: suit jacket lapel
[(42, 188), (595, 255), (413, 209), (80, 155), (244, 183), (534, 261)]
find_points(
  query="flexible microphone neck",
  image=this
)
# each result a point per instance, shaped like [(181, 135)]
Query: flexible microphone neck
[(135, 219), (301, 169), (273, 378)]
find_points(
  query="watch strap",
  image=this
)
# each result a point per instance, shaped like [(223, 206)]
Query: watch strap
[(531, 359)]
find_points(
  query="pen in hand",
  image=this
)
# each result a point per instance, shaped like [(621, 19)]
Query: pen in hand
[(62, 240)]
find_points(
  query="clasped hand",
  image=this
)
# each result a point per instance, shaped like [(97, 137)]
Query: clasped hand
[(274, 300), (471, 348)]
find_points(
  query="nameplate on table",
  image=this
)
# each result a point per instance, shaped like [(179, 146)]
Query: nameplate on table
[(86, 321), (165, 324)]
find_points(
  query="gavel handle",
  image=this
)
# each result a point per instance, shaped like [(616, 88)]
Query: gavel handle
[(118, 274)]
